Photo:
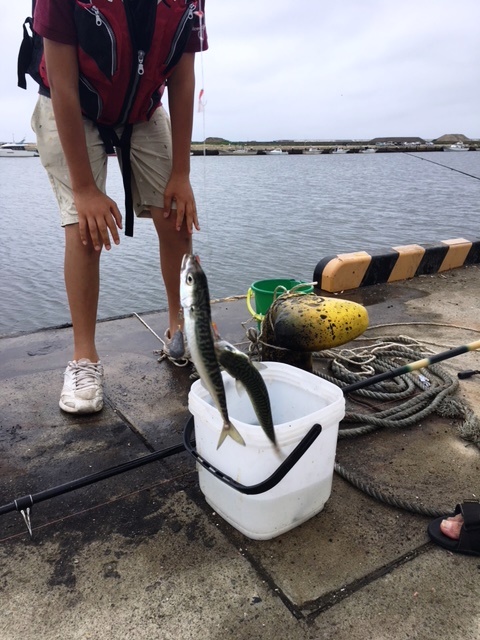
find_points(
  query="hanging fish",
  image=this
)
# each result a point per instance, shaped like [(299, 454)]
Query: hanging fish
[(195, 300), (248, 377)]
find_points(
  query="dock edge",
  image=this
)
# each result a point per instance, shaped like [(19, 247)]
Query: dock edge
[(360, 269)]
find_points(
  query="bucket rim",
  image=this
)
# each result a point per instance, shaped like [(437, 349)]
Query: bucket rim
[(288, 432), (291, 282), (289, 285)]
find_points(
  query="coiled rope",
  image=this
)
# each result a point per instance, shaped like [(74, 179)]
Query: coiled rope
[(434, 386), (420, 394)]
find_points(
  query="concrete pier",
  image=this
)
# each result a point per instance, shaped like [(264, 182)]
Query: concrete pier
[(142, 555)]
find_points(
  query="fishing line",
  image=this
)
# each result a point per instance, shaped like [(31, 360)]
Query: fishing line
[(470, 175), (201, 104)]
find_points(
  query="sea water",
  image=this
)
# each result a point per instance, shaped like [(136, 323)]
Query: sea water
[(261, 217)]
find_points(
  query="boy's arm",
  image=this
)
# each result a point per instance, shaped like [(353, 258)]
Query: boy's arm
[(97, 213), (181, 89)]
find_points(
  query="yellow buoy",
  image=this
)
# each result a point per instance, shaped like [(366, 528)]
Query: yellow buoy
[(312, 323)]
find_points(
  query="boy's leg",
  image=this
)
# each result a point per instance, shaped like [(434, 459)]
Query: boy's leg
[(82, 390), (151, 155), (83, 382), (81, 264), (173, 245), (82, 281)]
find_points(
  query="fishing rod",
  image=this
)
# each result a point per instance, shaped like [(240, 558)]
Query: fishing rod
[(24, 504), (413, 366), (470, 175)]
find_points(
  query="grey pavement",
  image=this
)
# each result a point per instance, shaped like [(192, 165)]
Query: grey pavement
[(142, 555)]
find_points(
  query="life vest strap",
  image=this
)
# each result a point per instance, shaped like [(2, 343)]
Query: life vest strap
[(111, 140)]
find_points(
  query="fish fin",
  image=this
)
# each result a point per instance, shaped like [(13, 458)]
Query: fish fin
[(232, 432), (239, 387), (215, 332)]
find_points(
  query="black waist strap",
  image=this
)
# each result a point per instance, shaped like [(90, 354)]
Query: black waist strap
[(110, 140)]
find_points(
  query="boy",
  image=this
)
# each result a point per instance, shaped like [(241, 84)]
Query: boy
[(105, 64)]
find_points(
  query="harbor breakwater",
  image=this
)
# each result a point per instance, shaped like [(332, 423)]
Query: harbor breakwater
[(199, 149)]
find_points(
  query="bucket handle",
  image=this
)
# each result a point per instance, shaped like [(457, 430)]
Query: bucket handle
[(257, 316), (301, 285), (266, 484)]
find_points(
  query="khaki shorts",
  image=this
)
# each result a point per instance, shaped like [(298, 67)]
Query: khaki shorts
[(151, 156)]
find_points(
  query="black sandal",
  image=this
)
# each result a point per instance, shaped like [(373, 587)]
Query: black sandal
[(469, 541)]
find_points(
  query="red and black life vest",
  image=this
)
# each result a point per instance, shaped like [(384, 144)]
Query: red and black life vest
[(125, 56), (126, 51)]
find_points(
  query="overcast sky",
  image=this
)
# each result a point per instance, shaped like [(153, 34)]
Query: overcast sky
[(313, 70)]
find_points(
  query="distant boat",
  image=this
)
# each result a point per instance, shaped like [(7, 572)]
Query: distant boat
[(368, 150), (458, 146), (276, 152), (16, 150), (243, 151), (340, 150), (312, 151)]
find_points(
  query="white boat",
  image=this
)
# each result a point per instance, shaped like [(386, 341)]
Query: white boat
[(458, 146), (312, 152), (243, 151), (340, 150), (276, 152), (368, 150), (16, 150)]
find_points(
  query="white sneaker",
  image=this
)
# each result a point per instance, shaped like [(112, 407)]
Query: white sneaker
[(83, 387)]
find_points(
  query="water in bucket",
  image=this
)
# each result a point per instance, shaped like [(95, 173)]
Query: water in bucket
[(267, 291)]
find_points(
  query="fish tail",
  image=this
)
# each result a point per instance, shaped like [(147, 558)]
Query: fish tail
[(276, 447), (230, 430), (271, 436)]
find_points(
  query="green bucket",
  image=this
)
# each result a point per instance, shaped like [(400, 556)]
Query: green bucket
[(267, 291)]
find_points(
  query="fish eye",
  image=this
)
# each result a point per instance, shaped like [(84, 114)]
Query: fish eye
[(189, 278)]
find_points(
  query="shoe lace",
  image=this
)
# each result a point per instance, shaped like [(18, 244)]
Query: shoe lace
[(85, 375), (178, 362)]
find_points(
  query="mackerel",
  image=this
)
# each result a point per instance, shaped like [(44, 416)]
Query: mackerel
[(195, 300), (247, 373)]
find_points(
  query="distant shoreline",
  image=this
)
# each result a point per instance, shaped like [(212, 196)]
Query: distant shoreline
[(259, 149), (217, 147)]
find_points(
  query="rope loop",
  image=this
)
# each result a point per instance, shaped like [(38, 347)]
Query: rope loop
[(413, 396)]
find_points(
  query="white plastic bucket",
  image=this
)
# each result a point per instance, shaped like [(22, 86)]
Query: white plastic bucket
[(299, 400)]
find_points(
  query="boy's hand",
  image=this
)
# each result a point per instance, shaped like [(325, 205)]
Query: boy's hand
[(97, 216), (179, 189)]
